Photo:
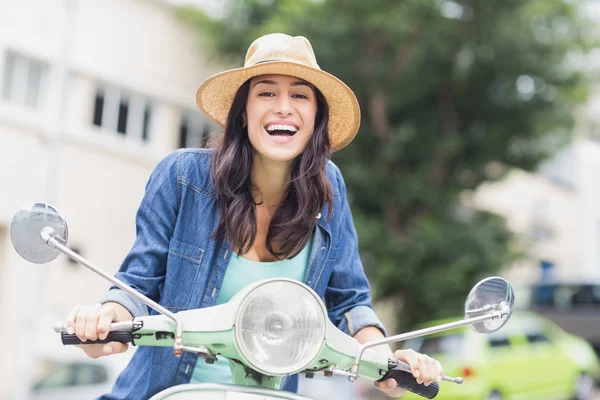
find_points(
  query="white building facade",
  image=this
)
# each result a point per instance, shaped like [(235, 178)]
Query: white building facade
[(93, 95)]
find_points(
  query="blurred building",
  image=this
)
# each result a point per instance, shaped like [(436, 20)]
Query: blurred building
[(92, 95), (556, 211)]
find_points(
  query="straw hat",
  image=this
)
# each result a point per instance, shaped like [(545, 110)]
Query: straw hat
[(282, 54)]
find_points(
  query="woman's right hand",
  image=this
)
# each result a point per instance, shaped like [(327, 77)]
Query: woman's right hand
[(93, 322)]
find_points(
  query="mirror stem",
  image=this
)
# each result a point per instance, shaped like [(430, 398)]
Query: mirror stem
[(49, 236), (504, 309)]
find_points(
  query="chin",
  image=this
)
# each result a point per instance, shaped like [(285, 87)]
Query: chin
[(281, 155)]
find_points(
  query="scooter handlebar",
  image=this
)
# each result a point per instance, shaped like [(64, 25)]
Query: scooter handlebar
[(407, 381), (113, 336), (119, 332)]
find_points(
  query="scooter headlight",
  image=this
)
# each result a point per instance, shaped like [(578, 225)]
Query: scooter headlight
[(280, 327)]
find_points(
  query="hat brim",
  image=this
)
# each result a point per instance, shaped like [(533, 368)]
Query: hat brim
[(215, 96)]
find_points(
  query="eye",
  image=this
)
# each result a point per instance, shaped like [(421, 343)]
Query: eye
[(300, 96), (267, 94)]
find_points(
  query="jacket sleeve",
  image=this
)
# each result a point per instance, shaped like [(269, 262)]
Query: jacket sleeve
[(347, 296), (144, 267)]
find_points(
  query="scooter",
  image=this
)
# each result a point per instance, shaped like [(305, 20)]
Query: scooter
[(269, 330)]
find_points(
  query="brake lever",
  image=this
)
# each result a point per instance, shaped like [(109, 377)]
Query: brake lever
[(402, 366)]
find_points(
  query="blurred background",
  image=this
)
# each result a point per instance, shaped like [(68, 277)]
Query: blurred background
[(478, 155)]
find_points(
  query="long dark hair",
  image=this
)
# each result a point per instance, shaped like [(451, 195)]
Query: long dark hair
[(308, 191)]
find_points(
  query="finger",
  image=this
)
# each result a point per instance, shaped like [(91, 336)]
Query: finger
[(415, 368), (421, 369), (431, 370), (70, 321), (91, 326), (386, 385), (80, 319), (428, 370), (391, 383), (440, 370), (91, 323), (411, 358), (114, 348), (106, 317), (92, 350)]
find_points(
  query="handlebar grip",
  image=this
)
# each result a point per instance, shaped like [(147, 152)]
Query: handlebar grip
[(114, 336), (407, 381)]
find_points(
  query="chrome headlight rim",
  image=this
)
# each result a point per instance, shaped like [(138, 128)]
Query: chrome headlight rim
[(246, 353)]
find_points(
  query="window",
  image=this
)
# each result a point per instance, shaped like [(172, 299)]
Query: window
[(98, 107), (76, 374), (194, 130), (90, 374), (566, 296), (537, 337), (540, 232), (24, 80), (125, 113), (59, 377), (146, 122), (122, 119), (498, 341)]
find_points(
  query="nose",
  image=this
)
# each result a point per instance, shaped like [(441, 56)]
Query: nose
[(283, 105)]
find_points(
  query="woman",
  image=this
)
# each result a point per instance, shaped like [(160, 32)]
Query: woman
[(266, 202)]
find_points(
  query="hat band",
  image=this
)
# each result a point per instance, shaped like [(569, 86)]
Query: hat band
[(265, 61)]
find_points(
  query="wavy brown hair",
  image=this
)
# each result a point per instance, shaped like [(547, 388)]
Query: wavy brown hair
[(309, 189)]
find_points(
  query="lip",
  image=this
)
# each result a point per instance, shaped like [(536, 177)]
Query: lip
[(282, 122), (281, 139), (277, 139)]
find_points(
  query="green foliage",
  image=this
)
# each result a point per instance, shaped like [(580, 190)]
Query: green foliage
[(452, 94)]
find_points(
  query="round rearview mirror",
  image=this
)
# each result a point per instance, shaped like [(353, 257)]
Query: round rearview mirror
[(25, 229), (490, 295)]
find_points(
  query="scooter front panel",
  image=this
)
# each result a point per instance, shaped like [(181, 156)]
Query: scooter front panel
[(215, 391)]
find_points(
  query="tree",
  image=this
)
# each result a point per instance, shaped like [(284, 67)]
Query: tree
[(453, 93)]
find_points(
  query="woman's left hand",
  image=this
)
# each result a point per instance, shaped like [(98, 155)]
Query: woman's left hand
[(426, 369)]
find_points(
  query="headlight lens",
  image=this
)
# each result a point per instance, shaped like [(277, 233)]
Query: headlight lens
[(280, 327)]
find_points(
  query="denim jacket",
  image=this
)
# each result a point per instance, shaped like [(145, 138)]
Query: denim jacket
[(175, 262)]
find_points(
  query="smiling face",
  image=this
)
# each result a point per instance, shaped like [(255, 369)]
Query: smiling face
[(280, 114)]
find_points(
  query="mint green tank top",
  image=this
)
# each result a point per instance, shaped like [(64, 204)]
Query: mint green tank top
[(241, 272)]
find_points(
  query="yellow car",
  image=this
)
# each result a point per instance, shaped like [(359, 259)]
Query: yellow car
[(529, 358)]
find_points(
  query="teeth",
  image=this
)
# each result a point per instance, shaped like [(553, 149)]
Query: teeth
[(274, 127)]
